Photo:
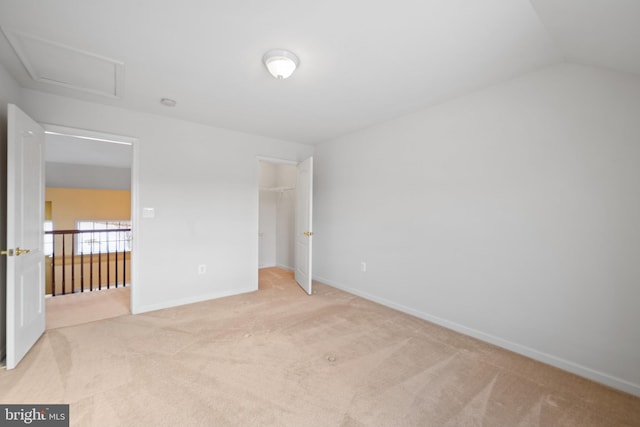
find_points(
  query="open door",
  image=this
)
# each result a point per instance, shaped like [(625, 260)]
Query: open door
[(25, 232), (304, 224)]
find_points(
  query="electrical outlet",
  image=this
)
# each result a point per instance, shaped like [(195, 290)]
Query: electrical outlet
[(202, 269), (363, 266)]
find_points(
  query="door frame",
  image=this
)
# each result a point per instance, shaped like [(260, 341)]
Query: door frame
[(135, 201), (274, 160)]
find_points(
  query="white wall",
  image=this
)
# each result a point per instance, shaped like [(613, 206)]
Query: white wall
[(65, 175), (10, 93), (202, 182), (512, 214)]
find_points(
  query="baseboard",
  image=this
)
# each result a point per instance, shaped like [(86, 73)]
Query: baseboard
[(191, 300), (549, 359), (284, 267)]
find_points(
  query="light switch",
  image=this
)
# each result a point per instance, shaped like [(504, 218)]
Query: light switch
[(148, 213)]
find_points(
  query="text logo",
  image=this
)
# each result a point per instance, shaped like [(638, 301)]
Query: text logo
[(34, 415)]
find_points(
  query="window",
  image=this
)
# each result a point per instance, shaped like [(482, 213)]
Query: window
[(101, 240), (48, 239)]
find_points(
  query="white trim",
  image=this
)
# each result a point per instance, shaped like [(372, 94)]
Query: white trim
[(285, 267), (566, 365), (276, 160), (88, 137), (87, 134), (135, 227), (280, 266), (192, 300)]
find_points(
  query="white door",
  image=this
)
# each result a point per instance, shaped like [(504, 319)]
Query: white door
[(25, 220), (304, 224)]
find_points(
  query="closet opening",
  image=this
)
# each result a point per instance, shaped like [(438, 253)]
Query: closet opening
[(276, 225)]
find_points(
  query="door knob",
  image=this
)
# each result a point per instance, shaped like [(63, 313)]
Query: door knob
[(308, 233), (22, 251)]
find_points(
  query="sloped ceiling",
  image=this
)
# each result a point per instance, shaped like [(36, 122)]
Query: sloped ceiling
[(362, 61)]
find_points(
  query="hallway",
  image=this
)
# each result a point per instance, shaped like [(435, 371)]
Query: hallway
[(79, 308)]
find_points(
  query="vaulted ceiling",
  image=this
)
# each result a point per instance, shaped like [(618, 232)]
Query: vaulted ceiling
[(361, 61)]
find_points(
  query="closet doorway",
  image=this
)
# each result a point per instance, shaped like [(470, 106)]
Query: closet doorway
[(277, 205)]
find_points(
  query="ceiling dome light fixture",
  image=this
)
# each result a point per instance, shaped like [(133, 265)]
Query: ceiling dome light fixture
[(280, 63)]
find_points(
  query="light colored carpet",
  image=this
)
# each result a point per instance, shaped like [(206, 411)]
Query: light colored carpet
[(278, 357), (79, 308)]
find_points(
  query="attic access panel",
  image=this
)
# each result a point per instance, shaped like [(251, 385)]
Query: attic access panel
[(57, 64)]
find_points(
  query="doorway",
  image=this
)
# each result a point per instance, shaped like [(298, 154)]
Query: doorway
[(277, 204), (293, 240), (90, 186)]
